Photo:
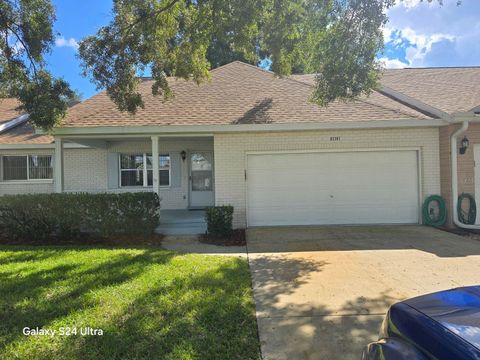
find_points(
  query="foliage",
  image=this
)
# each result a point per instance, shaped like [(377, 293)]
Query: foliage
[(150, 304), (336, 38), (26, 36), (219, 221), (38, 217)]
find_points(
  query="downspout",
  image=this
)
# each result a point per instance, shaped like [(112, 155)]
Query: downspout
[(453, 149)]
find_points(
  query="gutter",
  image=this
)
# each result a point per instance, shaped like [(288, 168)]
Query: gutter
[(149, 130), (453, 154)]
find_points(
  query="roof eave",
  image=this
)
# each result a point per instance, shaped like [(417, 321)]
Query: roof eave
[(211, 129)]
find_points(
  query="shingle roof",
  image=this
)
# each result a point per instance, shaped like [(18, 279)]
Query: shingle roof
[(238, 93), (24, 134), (447, 89), (8, 110), (243, 94), (21, 134)]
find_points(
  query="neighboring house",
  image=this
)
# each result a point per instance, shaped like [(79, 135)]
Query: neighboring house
[(253, 140)]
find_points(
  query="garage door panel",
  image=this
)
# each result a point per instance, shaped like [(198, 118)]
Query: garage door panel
[(332, 188), (275, 216)]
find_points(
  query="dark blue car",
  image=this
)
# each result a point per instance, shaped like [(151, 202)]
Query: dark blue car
[(442, 325)]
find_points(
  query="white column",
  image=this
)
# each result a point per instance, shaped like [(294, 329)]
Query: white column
[(58, 165), (155, 165)]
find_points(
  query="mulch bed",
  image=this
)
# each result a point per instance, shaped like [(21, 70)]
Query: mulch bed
[(237, 239), (86, 239)]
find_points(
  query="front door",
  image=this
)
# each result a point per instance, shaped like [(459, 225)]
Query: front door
[(201, 179)]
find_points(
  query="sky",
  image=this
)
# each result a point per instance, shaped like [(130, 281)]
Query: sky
[(418, 34)]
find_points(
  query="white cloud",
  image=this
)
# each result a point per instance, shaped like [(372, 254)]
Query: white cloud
[(62, 42), (410, 4), (387, 34), (421, 44), (434, 35), (393, 63), (407, 3)]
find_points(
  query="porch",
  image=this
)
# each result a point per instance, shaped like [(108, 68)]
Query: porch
[(180, 169)]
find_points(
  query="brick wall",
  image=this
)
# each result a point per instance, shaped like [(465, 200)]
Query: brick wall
[(85, 170), (230, 155), (465, 164)]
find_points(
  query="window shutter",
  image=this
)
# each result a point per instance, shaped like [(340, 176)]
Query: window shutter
[(176, 169), (112, 170)]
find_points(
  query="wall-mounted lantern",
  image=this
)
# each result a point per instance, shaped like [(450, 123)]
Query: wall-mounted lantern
[(464, 147), (183, 154)]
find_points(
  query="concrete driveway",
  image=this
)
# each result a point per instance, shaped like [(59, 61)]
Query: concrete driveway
[(322, 292)]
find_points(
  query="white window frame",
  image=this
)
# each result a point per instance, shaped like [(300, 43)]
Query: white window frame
[(27, 180), (169, 170), (145, 171)]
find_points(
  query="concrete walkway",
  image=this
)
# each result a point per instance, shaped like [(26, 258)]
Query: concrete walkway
[(190, 244), (322, 292)]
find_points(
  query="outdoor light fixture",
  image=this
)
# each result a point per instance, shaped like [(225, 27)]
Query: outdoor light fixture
[(465, 144), (183, 154)]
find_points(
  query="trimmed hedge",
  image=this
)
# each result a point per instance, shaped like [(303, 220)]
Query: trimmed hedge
[(219, 221), (38, 217)]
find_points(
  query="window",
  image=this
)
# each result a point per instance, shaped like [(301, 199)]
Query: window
[(164, 175), (201, 172), (27, 167), (40, 167), (137, 170), (131, 170)]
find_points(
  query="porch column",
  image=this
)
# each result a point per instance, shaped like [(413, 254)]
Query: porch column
[(155, 166), (58, 165)]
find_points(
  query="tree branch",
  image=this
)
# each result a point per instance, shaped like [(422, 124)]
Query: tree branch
[(19, 38), (155, 14)]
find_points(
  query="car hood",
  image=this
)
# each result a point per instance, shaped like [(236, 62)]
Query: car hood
[(458, 310)]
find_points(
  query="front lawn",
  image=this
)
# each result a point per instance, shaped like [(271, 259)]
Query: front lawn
[(149, 303)]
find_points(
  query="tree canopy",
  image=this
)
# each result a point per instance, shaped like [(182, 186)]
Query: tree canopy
[(336, 39), (26, 35)]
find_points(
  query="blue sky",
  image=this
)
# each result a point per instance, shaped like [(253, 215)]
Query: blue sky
[(418, 34)]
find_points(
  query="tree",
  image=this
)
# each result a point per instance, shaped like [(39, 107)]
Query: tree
[(338, 39), (25, 36)]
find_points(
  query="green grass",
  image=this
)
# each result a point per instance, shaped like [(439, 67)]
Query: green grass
[(150, 304)]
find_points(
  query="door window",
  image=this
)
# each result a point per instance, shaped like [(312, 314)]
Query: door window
[(201, 168)]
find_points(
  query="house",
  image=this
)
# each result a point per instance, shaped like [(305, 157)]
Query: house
[(253, 140)]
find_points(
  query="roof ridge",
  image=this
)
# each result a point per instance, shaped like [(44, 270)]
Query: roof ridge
[(258, 68)]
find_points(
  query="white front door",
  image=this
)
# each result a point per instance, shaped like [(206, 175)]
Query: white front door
[(201, 179), (362, 187)]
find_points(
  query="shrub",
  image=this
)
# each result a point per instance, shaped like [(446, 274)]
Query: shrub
[(37, 217), (219, 221)]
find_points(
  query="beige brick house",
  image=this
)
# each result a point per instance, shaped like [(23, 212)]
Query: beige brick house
[(252, 140)]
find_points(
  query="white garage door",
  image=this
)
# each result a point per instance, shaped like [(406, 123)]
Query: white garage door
[(364, 187)]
